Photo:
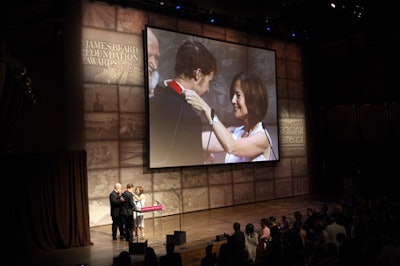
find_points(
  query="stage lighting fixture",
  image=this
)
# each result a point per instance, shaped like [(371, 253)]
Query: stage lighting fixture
[(178, 7), (358, 11), (267, 25), (333, 5)]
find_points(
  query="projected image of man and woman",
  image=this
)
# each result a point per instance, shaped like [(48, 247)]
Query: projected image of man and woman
[(215, 102)]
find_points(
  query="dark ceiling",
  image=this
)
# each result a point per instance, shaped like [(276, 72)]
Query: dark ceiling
[(313, 21), (40, 23)]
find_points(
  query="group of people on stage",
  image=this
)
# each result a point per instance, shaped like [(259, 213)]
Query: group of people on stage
[(125, 210), (177, 137)]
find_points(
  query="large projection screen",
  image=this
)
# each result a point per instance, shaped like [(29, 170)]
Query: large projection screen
[(232, 58)]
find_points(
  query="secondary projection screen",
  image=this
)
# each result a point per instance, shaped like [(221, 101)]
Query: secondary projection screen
[(180, 135)]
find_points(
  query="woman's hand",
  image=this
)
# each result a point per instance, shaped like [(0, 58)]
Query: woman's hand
[(198, 103), (194, 99)]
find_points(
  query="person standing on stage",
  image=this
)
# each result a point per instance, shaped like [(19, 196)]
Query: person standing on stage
[(116, 202), (175, 128), (127, 210), (139, 220)]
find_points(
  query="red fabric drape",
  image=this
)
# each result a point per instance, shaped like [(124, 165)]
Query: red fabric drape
[(45, 202)]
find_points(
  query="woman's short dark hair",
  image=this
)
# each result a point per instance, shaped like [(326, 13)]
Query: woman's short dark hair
[(255, 94), (193, 55), (249, 228)]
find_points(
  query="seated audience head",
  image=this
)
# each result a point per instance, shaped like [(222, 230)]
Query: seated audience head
[(124, 258), (264, 222), (150, 257), (236, 226)]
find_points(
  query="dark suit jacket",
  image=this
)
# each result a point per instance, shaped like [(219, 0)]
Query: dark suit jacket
[(116, 204), (175, 131), (237, 248), (129, 204)]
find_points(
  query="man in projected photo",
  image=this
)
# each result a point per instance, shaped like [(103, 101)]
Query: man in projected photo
[(246, 143), (175, 127), (153, 53)]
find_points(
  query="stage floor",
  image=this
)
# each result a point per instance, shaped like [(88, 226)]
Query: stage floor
[(201, 228)]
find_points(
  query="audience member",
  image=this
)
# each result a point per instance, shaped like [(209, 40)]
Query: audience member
[(211, 257), (329, 244), (172, 258), (305, 247), (265, 232), (311, 218), (298, 220), (272, 224), (251, 238), (264, 238), (323, 213), (283, 226), (333, 229), (123, 259), (309, 225), (223, 258), (150, 257), (320, 236), (272, 219), (237, 246), (274, 248), (343, 216), (291, 243)]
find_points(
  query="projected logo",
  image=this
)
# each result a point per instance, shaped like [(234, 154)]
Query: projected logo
[(112, 58)]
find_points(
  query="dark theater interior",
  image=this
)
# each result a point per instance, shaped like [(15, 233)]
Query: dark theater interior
[(337, 65)]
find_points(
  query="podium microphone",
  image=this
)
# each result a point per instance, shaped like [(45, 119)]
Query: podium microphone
[(151, 195), (269, 139)]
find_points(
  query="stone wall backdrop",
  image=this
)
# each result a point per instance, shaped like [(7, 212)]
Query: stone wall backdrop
[(115, 132)]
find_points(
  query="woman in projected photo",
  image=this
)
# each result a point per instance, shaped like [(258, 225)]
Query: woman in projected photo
[(246, 143)]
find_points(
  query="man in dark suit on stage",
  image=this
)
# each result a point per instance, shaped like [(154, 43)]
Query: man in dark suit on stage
[(116, 203), (127, 210)]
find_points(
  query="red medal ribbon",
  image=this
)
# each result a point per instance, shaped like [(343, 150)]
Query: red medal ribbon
[(175, 85)]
